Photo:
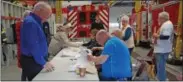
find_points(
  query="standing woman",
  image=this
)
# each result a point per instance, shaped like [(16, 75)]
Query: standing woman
[(126, 33)]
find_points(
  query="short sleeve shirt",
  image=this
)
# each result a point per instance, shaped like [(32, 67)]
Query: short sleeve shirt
[(118, 63), (165, 46)]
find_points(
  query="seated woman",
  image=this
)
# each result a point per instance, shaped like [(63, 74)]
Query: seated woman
[(93, 43), (61, 40)]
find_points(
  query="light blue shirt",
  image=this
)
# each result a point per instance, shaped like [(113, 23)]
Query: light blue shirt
[(118, 63)]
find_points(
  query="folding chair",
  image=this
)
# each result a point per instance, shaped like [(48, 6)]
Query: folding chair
[(147, 64)]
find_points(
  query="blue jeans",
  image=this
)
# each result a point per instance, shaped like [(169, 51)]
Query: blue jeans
[(130, 50), (160, 65)]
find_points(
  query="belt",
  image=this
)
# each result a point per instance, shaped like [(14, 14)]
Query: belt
[(25, 56), (31, 57)]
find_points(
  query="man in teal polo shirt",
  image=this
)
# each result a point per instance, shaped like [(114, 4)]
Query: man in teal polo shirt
[(115, 58)]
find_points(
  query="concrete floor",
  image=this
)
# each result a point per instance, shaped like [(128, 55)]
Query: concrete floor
[(172, 70), (12, 72)]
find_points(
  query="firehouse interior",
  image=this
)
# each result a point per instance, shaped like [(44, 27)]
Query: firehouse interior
[(73, 50)]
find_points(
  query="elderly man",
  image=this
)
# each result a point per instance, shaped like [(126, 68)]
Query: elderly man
[(115, 58), (163, 45), (34, 47)]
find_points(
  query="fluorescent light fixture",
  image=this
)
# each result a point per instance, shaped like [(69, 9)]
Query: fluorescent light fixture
[(113, 24)]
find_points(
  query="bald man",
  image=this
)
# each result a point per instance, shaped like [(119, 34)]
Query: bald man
[(34, 47), (115, 58)]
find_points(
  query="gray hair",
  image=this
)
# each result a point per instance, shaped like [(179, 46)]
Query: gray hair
[(164, 15), (40, 5), (125, 17), (26, 13)]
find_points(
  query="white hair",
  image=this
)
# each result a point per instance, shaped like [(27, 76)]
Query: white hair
[(164, 15), (40, 5), (125, 18), (26, 13)]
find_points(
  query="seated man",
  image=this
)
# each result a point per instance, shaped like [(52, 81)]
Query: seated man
[(115, 58)]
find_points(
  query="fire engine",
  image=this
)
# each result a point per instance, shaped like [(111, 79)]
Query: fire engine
[(81, 17), (140, 19)]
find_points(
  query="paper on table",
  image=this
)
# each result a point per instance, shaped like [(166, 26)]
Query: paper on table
[(73, 49), (82, 61), (69, 53)]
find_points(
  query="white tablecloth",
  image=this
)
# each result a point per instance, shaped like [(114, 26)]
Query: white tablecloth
[(61, 72)]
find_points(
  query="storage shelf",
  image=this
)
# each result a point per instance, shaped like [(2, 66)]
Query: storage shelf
[(10, 13)]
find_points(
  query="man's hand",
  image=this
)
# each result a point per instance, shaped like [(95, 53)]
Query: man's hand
[(155, 35), (97, 60), (48, 67)]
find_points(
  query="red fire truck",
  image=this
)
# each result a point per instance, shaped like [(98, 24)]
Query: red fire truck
[(140, 21), (81, 18)]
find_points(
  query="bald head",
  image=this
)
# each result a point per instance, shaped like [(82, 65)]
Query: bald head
[(102, 36), (43, 10)]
